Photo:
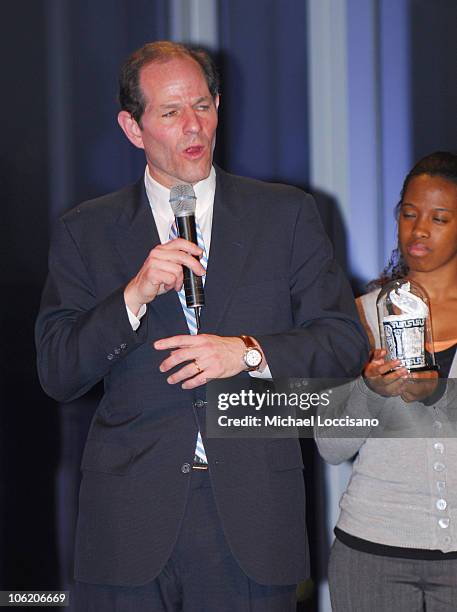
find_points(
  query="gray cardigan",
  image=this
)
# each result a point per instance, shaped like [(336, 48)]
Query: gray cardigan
[(402, 491)]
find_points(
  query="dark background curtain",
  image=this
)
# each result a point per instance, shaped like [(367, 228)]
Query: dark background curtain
[(60, 145), (433, 75)]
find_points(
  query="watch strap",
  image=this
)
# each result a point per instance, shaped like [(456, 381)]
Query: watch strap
[(248, 342)]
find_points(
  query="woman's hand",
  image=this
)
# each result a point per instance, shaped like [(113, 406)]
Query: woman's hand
[(419, 385), (390, 378), (384, 377)]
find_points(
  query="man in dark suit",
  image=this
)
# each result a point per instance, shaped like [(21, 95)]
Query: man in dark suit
[(170, 519)]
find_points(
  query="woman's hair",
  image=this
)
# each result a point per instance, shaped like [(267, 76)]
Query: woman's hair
[(440, 163)]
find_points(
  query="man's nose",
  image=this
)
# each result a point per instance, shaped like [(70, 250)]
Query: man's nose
[(192, 122)]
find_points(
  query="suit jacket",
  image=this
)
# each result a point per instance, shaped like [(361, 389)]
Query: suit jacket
[(270, 275)]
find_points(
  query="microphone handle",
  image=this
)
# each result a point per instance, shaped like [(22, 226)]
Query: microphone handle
[(193, 284)]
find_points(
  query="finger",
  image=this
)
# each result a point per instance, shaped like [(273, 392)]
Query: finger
[(427, 375), (376, 368), (196, 381), (391, 375), (164, 287), (179, 258), (389, 385), (181, 244), (167, 280), (389, 389), (395, 388), (386, 367), (188, 371), (393, 364), (169, 287), (147, 286), (408, 397), (174, 342), (177, 357), (162, 272)]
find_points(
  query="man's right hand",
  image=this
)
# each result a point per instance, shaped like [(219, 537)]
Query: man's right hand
[(162, 271)]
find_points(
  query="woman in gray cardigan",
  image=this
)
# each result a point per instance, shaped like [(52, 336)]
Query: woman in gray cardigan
[(396, 537)]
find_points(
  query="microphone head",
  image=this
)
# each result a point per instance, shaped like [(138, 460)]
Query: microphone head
[(183, 200)]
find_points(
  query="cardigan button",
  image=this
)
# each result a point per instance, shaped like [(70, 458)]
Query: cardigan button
[(439, 447), (441, 504)]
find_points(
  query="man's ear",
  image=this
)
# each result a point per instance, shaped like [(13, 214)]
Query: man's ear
[(130, 128)]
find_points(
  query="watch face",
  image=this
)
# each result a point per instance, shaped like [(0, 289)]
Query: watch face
[(253, 358)]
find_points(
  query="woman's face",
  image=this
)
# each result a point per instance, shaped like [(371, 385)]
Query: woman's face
[(427, 225)]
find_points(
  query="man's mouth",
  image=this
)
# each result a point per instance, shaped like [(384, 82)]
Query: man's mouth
[(194, 152)]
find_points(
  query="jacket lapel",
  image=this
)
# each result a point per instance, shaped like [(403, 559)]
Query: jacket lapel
[(227, 253)]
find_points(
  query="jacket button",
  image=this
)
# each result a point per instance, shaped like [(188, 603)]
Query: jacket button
[(185, 468), (199, 403), (123, 346), (117, 351), (110, 356)]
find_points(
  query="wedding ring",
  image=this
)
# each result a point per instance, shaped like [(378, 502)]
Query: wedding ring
[(199, 370)]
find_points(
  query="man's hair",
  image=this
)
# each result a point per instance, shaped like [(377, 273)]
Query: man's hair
[(131, 97), (442, 164)]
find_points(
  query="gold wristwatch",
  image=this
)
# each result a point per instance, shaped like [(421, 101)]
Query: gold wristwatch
[(252, 355)]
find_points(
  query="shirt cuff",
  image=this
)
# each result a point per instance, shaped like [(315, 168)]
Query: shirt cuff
[(136, 320), (264, 374)]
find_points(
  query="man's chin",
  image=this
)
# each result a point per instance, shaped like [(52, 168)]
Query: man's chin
[(196, 175), (188, 174)]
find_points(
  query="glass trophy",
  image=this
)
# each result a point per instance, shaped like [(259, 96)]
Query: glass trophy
[(405, 325)]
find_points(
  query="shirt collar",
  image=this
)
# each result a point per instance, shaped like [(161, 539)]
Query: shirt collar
[(159, 196)]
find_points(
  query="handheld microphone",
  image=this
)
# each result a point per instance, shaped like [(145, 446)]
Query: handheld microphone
[(183, 202)]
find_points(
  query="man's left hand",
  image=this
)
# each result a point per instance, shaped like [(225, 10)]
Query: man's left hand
[(205, 356)]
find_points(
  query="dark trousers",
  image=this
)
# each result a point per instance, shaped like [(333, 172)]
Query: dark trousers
[(362, 582), (200, 576)]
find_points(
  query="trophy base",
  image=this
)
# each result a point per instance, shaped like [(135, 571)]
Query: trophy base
[(432, 368)]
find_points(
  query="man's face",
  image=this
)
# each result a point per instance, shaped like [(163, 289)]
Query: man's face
[(179, 122)]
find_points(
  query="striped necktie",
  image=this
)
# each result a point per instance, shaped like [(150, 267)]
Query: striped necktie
[(200, 454)]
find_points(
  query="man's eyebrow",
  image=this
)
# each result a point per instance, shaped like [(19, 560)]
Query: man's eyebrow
[(169, 105), (177, 103)]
